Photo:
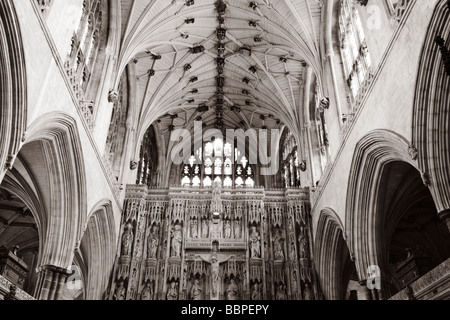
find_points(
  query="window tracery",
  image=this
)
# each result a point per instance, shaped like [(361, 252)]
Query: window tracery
[(217, 165)]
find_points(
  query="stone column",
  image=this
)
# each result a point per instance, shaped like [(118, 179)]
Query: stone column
[(50, 284), (445, 216), (367, 291)]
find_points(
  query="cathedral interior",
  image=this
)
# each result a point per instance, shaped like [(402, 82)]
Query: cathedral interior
[(224, 150)]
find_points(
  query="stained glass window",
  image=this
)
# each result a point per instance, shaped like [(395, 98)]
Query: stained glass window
[(218, 166)]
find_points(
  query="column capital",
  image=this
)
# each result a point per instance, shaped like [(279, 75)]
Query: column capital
[(445, 217)]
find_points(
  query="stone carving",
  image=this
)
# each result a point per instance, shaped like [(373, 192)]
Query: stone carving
[(237, 229), (278, 245), (232, 290), (133, 165), (413, 153), (309, 294), (147, 292), (113, 96), (216, 203), (292, 254), (120, 292), (303, 244), (196, 291), (256, 293), (127, 240), (255, 246), (177, 238), (281, 292), (205, 229), (194, 228), (426, 179), (248, 229), (11, 295), (172, 293), (227, 229), (153, 242), (215, 260)]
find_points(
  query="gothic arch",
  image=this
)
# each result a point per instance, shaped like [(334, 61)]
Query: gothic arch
[(61, 147), (13, 98), (372, 153), (97, 249), (431, 114), (332, 256)]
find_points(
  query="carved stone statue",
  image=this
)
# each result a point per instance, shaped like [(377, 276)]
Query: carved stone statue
[(281, 292), (292, 255), (11, 295), (172, 293), (177, 238), (237, 229), (232, 290), (266, 251), (309, 294), (194, 233), (255, 246), (119, 293), (278, 246), (147, 292), (196, 290), (127, 240), (216, 203), (228, 229), (294, 282), (303, 244), (256, 293), (153, 241), (215, 260), (205, 229)]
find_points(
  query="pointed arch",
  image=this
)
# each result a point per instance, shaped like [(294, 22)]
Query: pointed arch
[(97, 249), (372, 153), (431, 114), (61, 148), (13, 98), (332, 255)]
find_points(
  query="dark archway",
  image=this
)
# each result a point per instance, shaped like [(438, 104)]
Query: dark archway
[(413, 240), (336, 269)]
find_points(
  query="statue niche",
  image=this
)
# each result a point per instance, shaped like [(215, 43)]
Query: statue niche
[(255, 245), (153, 242), (127, 240), (215, 260), (147, 292), (172, 292), (232, 290), (278, 241), (196, 292), (177, 239)]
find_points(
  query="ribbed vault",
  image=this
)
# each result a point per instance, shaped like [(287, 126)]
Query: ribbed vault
[(172, 49)]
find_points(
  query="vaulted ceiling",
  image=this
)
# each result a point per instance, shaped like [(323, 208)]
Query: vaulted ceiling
[(174, 48)]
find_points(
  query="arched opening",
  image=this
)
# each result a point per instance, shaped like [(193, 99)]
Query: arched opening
[(412, 239), (19, 239), (13, 98), (337, 270), (431, 114), (96, 254), (26, 197), (390, 213)]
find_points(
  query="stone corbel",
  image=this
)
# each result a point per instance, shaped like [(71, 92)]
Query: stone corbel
[(113, 96)]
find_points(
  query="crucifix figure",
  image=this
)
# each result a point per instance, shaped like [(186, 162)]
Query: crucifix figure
[(215, 259)]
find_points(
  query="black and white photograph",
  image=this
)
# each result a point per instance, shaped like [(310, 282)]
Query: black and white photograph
[(220, 158)]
